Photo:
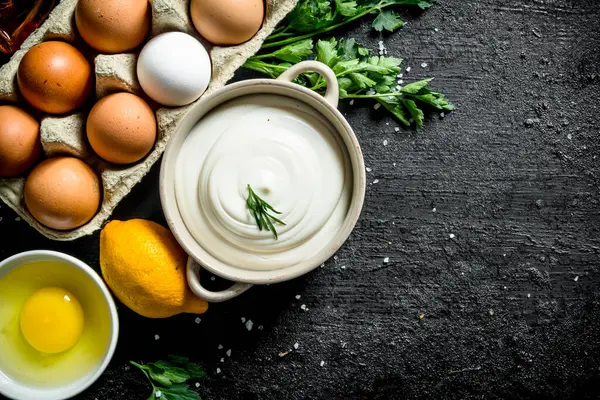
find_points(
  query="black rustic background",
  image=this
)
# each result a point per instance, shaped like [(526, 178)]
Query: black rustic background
[(489, 218)]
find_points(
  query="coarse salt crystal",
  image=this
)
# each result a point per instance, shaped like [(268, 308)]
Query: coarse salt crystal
[(197, 384), (408, 69), (158, 393), (376, 181), (352, 102), (249, 325), (436, 29), (218, 370), (400, 75), (298, 297), (156, 337), (424, 65), (243, 320), (576, 278), (386, 260), (452, 236), (368, 169), (18, 219), (197, 320), (434, 209), (222, 359), (303, 307), (296, 345), (220, 347), (400, 82), (396, 129), (528, 295), (394, 166), (343, 267), (376, 106), (385, 142), (212, 278), (335, 258), (322, 363)]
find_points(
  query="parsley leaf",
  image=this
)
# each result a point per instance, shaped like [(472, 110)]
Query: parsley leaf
[(310, 15), (361, 76), (295, 52), (346, 8), (388, 20), (169, 377)]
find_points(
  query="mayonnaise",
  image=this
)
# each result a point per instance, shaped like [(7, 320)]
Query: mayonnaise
[(292, 158)]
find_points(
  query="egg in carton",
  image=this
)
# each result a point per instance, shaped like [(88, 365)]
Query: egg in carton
[(65, 134)]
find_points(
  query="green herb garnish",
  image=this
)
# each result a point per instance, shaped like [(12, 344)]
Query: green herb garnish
[(314, 17), (360, 75), (168, 378), (260, 211)]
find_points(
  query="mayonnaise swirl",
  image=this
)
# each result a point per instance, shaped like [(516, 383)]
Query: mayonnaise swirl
[(292, 158)]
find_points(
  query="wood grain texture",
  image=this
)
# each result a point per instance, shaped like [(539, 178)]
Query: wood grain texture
[(492, 295)]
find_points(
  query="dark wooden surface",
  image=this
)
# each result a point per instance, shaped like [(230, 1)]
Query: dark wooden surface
[(489, 216)]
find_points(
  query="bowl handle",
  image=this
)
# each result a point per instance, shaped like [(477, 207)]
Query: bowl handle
[(332, 94), (193, 278)]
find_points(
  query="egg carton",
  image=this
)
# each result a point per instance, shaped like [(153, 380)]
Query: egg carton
[(65, 134)]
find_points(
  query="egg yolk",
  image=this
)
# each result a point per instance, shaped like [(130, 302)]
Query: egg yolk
[(52, 320)]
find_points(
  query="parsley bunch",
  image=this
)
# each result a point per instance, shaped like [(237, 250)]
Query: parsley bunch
[(168, 378), (314, 17), (360, 75)]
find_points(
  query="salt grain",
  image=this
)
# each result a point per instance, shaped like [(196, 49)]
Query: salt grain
[(436, 29), (368, 169), (376, 181), (434, 209), (260, 327), (352, 102), (222, 359), (298, 297), (212, 278), (400, 82), (156, 337), (335, 258), (228, 353), (385, 142), (322, 363), (377, 106), (243, 320), (528, 295), (343, 267), (576, 278), (220, 347), (394, 166), (18, 219), (296, 345), (197, 384), (386, 260), (424, 65), (158, 393), (396, 129), (408, 69), (400, 75), (197, 320), (249, 325), (218, 370), (452, 236), (303, 307)]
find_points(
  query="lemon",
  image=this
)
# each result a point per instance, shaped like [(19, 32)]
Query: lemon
[(144, 266)]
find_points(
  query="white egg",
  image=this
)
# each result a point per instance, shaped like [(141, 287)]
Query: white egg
[(174, 69)]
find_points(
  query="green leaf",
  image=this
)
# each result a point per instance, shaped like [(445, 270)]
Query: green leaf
[(415, 112), (327, 52), (436, 100), (416, 87), (388, 20), (346, 8), (363, 52), (272, 70), (295, 52), (362, 81), (178, 392), (310, 15), (423, 5), (398, 111)]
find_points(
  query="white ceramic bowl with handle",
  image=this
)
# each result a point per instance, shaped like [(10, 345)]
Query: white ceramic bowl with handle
[(323, 106), (21, 391)]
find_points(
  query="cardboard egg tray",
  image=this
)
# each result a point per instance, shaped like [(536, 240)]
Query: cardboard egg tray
[(65, 134)]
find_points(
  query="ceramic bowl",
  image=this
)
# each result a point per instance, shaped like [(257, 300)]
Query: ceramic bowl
[(326, 106), (20, 391)]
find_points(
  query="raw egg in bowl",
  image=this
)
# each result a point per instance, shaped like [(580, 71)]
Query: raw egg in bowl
[(58, 326)]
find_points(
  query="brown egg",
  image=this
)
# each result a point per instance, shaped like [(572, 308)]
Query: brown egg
[(62, 193), (20, 145), (227, 22), (55, 77), (121, 128), (113, 26)]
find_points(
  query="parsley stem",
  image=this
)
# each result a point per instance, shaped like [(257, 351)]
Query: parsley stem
[(326, 29), (372, 96)]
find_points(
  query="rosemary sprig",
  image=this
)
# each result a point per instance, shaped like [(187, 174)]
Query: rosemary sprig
[(259, 209)]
